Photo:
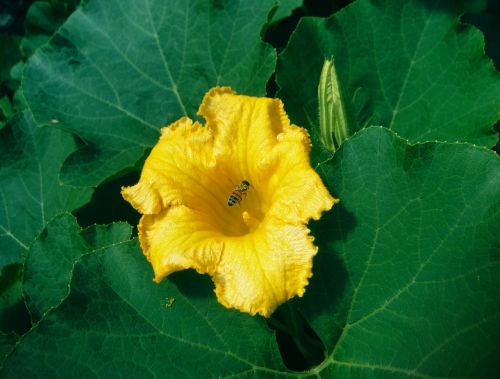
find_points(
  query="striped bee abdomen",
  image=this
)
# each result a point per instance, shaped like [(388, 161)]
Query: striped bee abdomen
[(233, 199), (238, 193)]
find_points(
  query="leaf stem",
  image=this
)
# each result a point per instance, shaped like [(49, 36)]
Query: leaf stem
[(288, 320)]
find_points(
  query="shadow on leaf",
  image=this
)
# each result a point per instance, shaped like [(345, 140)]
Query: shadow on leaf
[(322, 304), (192, 284)]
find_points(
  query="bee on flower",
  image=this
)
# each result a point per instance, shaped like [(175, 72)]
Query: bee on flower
[(258, 256), (239, 192)]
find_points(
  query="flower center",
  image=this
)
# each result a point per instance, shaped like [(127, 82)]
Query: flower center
[(240, 209)]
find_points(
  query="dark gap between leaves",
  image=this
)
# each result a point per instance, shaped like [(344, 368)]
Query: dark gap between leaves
[(300, 347), (107, 204), (14, 316)]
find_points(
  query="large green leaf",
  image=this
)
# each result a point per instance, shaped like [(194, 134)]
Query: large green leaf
[(113, 321), (119, 70), (406, 283), (51, 258), (407, 279), (406, 65), (30, 191)]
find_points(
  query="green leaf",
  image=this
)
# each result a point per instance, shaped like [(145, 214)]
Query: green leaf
[(14, 316), (115, 322), (52, 255), (117, 71), (406, 283), (7, 343), (6, 110), (30, 191), (406, 65), (42, 20), (407, 279), (284, 9)]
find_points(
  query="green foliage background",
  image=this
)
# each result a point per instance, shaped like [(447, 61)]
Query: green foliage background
[(407, 279)]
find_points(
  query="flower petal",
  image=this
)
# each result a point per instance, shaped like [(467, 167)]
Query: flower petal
[(245, 127), (170, 170), (179, 238), (253, 273), (181, 169), (245, 130), (298, 194), (256, 134), (262, 270)]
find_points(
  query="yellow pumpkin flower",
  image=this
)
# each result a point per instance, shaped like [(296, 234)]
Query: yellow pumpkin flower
[(258, 251)]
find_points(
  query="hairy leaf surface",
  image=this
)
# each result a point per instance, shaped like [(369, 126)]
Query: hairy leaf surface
[(30, 191), (406, 282), (112, 320)]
